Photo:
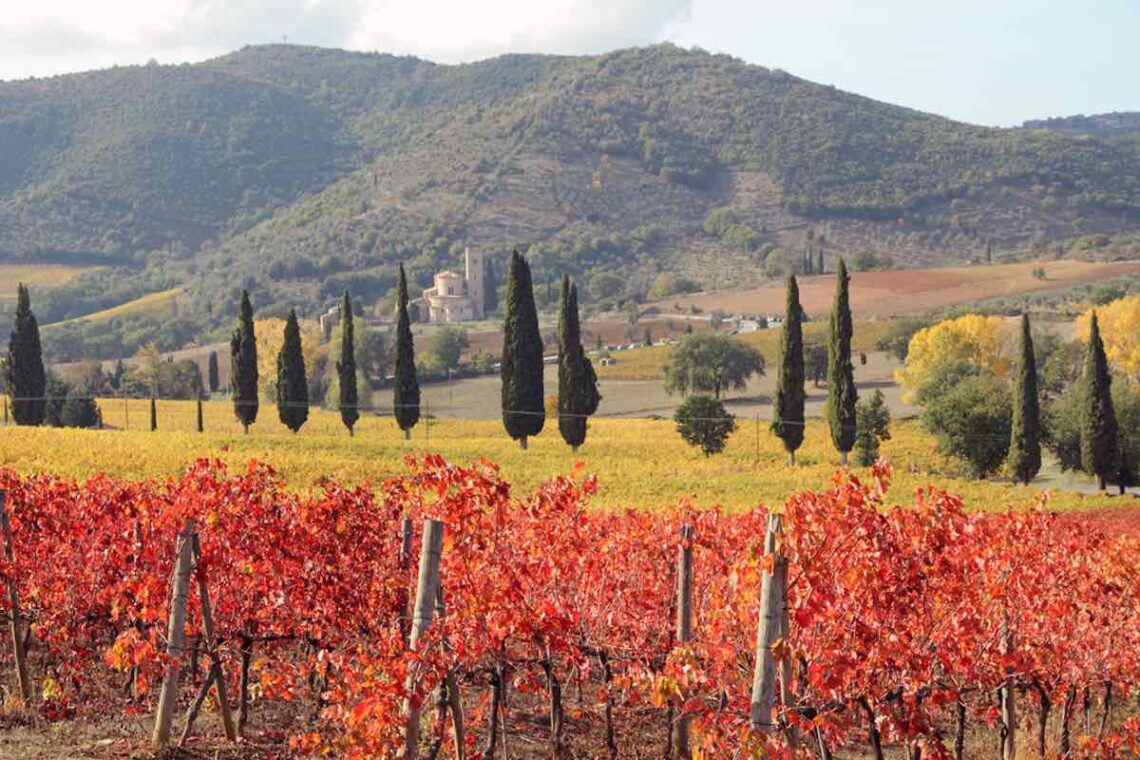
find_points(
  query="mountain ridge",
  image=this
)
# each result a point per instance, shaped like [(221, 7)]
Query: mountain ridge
[(298, 171)]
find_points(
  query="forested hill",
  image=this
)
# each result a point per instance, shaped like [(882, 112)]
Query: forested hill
[(299, 171), (1103, 125)]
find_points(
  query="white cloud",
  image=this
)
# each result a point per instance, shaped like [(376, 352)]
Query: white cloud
[(53, 36)]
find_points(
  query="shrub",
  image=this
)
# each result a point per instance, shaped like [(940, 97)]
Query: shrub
[(702, 421)]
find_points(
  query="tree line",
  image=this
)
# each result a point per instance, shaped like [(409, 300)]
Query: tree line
[(523, 407)]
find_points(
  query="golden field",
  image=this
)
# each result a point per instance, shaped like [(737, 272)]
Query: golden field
[(38, 276), (159, 304), (640, 463)]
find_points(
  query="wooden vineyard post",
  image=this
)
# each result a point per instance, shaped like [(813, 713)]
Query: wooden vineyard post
[(175, 637), (1006, 699), (780, 579), (684, 627), (209, 636), (768, 632), (406, 535), (15, 621), (427, 587)]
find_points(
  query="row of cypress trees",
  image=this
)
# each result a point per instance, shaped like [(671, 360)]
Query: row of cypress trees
[(292, 382), (1101, 452), (788, 410), (521, 368)]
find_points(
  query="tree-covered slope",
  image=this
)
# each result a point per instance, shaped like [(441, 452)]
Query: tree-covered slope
[(299, 171)]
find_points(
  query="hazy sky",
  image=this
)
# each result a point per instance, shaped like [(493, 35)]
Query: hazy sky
[(986, 61)]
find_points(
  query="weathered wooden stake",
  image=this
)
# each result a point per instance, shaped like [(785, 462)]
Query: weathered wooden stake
[(768, 632), (426, 589), (406, 535), (1007, 702), (15, 621), (175, 637), (680, 748), (211, 640)]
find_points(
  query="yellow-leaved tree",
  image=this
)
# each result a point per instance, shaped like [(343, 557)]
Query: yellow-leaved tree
[(270, 336), (1120, 331), (972, 339)]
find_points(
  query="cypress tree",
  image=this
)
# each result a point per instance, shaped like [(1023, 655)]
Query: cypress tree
[(1025, 436), (26, 377), (841, 393), (407, 395), (346, 367), (522, 401), (577, 383), (153, 414), (788, 411), (212, 372), (292, 384), (490, 287), (1100, 452), (243, 352), (200, 419)]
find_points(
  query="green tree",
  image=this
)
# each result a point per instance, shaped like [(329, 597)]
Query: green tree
[(292, 382), (243, 353), (1100, 454), (1025, 441), (153, 414), (24, 372), (212, 372), (815, 363), (522, 400), (578, 396), (841, 393), (788, 410), (702, 421), (490, 287), (448, 346), (872, 425), (896, 339), (348, 400), (709, 362), (55, 394), (406, 402), (972, 421), (199, 416), (80, 410)]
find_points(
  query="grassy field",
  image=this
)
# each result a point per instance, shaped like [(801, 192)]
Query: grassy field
[(640, 463), (160, 304), (38, 276)]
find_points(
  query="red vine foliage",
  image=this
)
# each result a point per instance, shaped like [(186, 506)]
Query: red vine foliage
[(897, 614)]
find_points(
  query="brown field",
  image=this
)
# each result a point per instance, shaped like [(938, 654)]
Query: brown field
[(899, 292)]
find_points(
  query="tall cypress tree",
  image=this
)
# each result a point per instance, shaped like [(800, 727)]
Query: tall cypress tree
[(1025, 435), (490, 287), (349, 400), (153, 414), (841, 393), (1100, 451), (292, 384), (212, 372), (577, 383), (406, 404), (24, 368), (201, 422), (522, 402), (788, 411), (243, 352)]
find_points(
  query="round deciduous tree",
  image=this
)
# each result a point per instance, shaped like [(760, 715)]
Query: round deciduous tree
[(702, 421)]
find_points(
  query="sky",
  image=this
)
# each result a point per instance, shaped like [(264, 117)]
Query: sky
[(995, 62)]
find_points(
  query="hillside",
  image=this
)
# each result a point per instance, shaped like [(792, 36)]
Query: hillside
[(298, 172)]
